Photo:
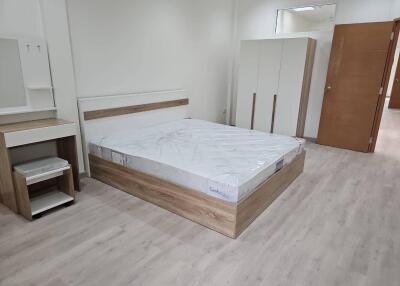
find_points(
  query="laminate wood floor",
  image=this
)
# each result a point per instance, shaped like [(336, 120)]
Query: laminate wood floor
[(337, 224)]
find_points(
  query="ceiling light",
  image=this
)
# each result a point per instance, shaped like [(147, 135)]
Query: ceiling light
[(304, 9)]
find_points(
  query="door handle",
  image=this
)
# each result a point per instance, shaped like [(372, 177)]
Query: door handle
[(328, 88)]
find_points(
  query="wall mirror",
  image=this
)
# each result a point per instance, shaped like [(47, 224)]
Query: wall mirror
[(25, 81), (306, 19), (12, 87)]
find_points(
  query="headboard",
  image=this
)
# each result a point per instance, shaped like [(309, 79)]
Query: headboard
[(107, 115)]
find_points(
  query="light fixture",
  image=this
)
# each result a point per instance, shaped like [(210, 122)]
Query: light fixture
[(304, 9)]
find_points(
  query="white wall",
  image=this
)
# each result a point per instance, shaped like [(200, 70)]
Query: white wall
[(56, 29), (257, 18), (396, 9), (358, 11), (127, 46), (20, 18)]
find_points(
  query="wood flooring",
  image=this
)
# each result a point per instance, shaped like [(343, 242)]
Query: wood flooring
[(337, 224)]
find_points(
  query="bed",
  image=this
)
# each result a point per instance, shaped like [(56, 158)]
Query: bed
[(219, 176)]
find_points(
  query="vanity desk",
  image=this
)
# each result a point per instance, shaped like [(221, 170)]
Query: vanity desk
[(62, 132)]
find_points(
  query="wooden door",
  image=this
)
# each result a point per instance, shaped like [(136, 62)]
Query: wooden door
[(354, 84), (247, 82), (268, 80)]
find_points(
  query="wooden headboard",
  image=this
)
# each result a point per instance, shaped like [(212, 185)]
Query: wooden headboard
[(107, 115)]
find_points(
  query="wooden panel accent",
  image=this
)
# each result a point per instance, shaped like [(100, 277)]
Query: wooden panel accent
[(208, 211), (355, 75), (27, 125), (227, 218), (305, 91), (103, 113), (67, 150), (38, 188), (249, 209), (66, 183), (22, 194), (6, 179)]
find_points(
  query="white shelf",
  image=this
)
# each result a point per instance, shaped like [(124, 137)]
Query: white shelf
[(48, 201)]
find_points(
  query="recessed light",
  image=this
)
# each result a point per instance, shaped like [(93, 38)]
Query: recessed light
[(304, 9)]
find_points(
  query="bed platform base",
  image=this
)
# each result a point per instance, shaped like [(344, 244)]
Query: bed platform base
[(224, 217)]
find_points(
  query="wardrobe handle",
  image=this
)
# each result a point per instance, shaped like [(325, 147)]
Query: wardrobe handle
[(253, 110), (273, 113)]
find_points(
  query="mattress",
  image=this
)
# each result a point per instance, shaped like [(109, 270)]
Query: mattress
[(222, 161)]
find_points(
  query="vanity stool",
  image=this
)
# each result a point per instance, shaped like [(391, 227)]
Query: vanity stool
[(37, 171)]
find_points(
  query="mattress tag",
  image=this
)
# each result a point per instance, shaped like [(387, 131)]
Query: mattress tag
[(117, 158), (220, 190), (279, 165)]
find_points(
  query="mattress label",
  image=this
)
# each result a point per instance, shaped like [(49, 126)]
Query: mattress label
[(279, 165), (220, 190), (118, 158)]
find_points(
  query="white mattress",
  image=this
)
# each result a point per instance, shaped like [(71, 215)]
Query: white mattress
[(222, 161)]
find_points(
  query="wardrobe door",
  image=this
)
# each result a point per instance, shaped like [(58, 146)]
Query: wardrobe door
[(290, 86), (268, 80), (247, 85)]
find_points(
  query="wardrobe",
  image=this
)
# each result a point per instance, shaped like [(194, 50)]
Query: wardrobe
[(273, 85)]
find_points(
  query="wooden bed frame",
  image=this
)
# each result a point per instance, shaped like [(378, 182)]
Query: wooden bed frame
[(230, 219), (227, 218)]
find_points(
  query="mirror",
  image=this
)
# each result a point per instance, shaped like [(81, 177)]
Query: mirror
[(306, 19), (25, 80), (12, 87)]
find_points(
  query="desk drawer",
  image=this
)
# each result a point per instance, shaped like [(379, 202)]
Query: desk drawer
[(30, 136)]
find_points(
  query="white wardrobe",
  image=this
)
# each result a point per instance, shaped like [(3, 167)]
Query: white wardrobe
[(274, 83)]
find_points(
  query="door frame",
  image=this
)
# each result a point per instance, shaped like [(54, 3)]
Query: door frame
[(385, 85)]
